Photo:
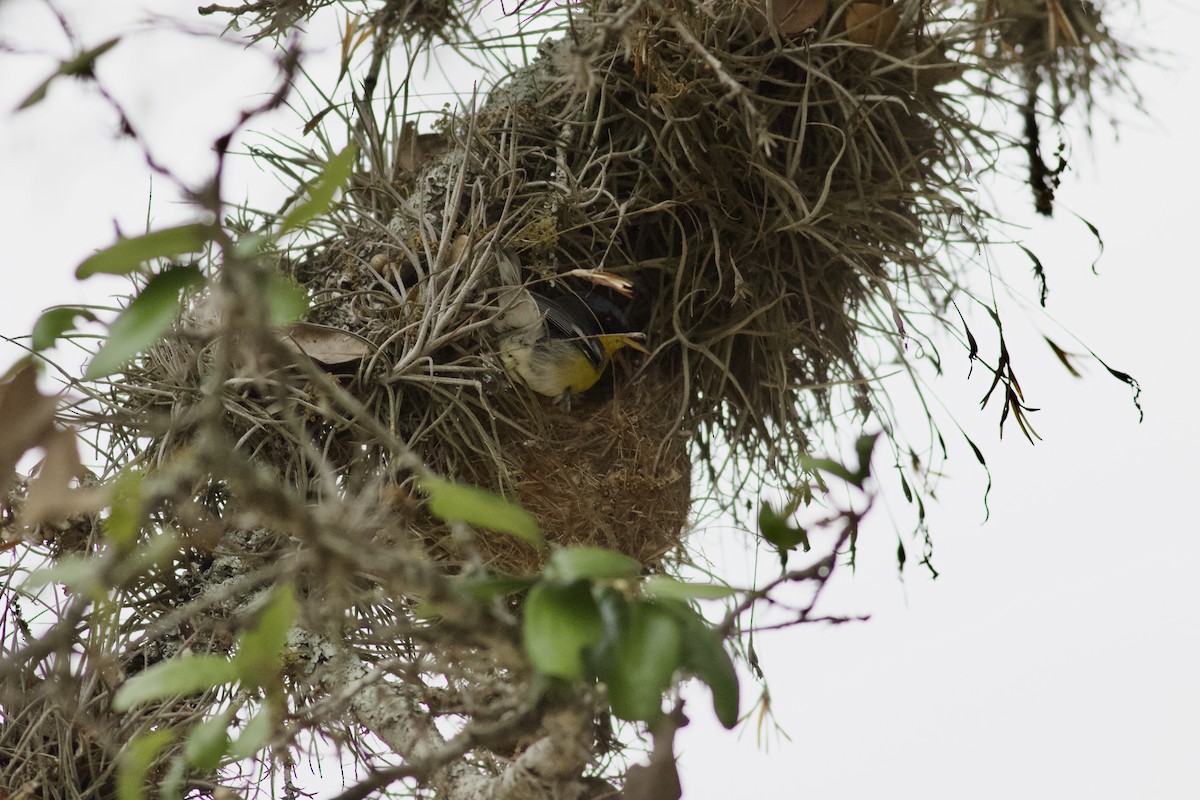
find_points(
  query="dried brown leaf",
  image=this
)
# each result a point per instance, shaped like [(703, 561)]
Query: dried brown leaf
[(658, 780), (26, 420), (796, 16), (416, 149), (329, 346), (609, 280), (51, 496), (872, 24)]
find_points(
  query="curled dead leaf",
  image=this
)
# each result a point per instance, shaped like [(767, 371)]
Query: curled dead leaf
[(609, 280), (872, 24), (796, 16), (417, 149), (26, 421), (659, 779), (454, 253), (327, 345), (51, 496)]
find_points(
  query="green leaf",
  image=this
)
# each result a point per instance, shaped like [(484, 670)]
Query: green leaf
[(776, 529), (185, 675), (832, 467), (82, 65), (660, 587), (135, 763), (208, 742), (85, 63), (78, 573), (54, 322), (705, 657), (576, 563), (287, 301), (321, 191), (128, 255), (639, 666), (156, 551), (458, 502), (260, 655), (171, 786), (144, 320), (124, 520), (251, 245), (485, 590), (560, 623), (254, 736), (864, 447)]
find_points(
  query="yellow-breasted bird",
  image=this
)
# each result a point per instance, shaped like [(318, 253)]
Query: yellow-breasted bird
[(561, 345)]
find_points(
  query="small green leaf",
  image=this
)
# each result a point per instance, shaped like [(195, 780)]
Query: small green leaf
[(54, 322), (144, 320), (260, 656), (251, 245), (82, 65), (39, 92), (287, 301), (864, 447), (776, 529), (124, 519), (560, 623), (185, 675), (458, 502), (639, 666), (321, 191), (254, 736), (136, 760), (157, 550), (705, 657), (78, 573), (834, 468), (85, 62), (485, 590), (660, 587), (577, 563), (171, 786), (128, 255), (208, 742)]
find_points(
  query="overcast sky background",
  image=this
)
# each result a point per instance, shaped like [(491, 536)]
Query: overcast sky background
[(1057, 654)]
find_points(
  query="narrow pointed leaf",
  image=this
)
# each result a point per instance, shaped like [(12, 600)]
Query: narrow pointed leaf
[(575, 563), (260, 655), (185, 675), (136, 761), (321, 191), (129, 255), (457, 502), (53, 323), (208, 742), (82, 65), (144, 321), (661, 587)]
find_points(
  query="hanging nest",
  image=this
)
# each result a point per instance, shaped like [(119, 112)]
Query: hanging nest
[(788, 189), (776, 196)]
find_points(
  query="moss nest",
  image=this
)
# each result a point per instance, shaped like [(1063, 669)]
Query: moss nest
[(789, 210)]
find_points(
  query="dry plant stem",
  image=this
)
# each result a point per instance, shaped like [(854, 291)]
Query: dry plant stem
[(549, 768)]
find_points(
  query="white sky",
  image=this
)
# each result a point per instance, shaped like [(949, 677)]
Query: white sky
[(1057, 654)]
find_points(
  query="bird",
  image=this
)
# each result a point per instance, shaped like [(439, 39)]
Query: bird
[(562, 345)]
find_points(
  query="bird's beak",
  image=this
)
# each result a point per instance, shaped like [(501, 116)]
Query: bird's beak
[(634, 340)]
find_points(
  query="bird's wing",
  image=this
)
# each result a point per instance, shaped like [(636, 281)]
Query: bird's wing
[(576, 325)]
